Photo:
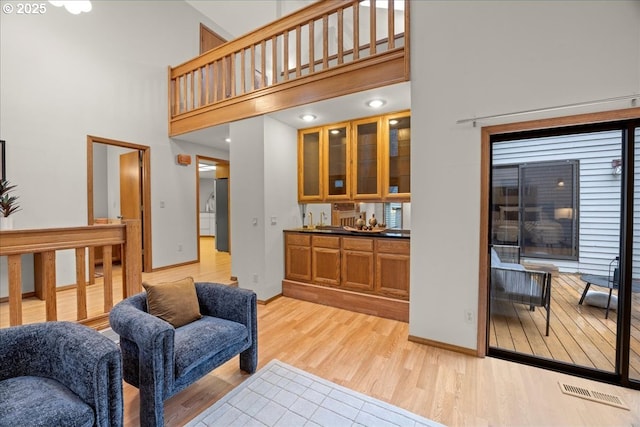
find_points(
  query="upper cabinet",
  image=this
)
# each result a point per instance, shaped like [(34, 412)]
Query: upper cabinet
[(310, 160), (338, 159), (397, 156), (367, 159)]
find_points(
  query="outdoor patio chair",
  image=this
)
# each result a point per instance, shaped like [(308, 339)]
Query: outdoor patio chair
[(512, 282), (611, 281)]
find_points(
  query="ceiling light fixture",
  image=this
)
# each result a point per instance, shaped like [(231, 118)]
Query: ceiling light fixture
[(393, 122), (75, 7), (227, 140), (335, 131), (308, 117), (376, 103)]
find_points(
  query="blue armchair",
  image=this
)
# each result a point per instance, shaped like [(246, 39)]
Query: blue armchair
[(161, 360), (59, 374)]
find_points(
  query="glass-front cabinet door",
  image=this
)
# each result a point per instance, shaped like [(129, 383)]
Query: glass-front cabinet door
[(310, 186), (337, 162), (397, 156), (366, 159)]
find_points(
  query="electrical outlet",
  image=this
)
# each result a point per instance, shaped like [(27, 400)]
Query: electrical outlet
[(468, 316)]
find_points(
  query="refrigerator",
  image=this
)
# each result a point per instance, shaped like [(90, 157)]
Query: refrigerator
[(222, 214)]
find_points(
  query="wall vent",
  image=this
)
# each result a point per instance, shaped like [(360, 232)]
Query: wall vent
[(596, 396)]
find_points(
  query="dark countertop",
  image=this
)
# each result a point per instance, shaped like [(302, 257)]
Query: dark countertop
[(339, 231)]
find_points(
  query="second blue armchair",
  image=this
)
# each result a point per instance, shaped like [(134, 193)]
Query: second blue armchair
[(162, 360)]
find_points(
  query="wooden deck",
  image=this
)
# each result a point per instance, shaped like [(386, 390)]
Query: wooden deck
[(579, 334)]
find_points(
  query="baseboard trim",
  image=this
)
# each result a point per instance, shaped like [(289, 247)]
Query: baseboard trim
[(374, 305), (270, 300), (167, 267), (445, 346)]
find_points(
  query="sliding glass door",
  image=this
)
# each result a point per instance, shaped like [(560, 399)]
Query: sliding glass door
[(634, 292), (564, 249)]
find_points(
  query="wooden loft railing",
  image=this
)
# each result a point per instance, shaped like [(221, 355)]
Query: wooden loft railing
[(328, 49), (43, 243)]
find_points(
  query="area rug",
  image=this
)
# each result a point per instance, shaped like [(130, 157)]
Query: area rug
[(283, 395)]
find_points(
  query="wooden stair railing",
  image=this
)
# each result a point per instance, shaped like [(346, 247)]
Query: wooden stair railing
[(263, 71), (43, 243)]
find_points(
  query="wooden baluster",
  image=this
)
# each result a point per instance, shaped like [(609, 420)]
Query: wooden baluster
[(356, 30), (107, 285), (274, 60), (206, 84), (49, 284), (285, 56), (340, 36), (372, 29), (216, 81), (81, 284), (192, 89), (325, 41), (232, 74), (391, 32), (243, 66), (183, 94), (223, 76), (253, 67), (15, 289), (298, 51), (263, 64), (312, 42)]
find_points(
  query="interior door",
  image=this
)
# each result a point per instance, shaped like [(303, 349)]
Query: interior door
[(130, 179), (131, 187)]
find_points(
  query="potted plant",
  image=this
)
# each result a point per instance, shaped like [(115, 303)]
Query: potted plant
[(8, 205)]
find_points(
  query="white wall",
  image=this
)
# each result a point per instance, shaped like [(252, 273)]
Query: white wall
[(102, 73), (263, 187), (475, 58)]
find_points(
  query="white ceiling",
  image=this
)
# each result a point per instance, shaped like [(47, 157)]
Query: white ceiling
[(234, 16)]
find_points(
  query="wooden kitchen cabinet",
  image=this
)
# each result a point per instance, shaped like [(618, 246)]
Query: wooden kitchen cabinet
[(310, 165), (366, 159), (357, 264), (338, 159), (298, 257), (366, 152), (392, 268), (397, 156), (325, 260)]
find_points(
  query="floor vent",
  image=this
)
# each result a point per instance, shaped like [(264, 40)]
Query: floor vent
[(596, 396)]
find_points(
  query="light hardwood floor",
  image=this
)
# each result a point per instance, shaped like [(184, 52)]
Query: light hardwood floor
[(373, 356)]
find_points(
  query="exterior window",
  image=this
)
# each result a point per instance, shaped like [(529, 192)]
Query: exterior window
[(535, 207)]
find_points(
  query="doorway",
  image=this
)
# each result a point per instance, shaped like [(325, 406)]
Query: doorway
[(212, 203), (118, 187), (560, 250)]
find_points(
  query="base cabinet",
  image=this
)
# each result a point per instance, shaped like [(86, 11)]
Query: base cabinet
[(298, 257), (370, 265), (325, 261), (358, 263)]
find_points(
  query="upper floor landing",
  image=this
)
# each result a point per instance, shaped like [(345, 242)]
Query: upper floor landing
[(328, 49)]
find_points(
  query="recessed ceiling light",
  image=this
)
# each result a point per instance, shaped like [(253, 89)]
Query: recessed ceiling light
[(308, 117), (393, 122), (227, 140), (376, 103), (335, 131)]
